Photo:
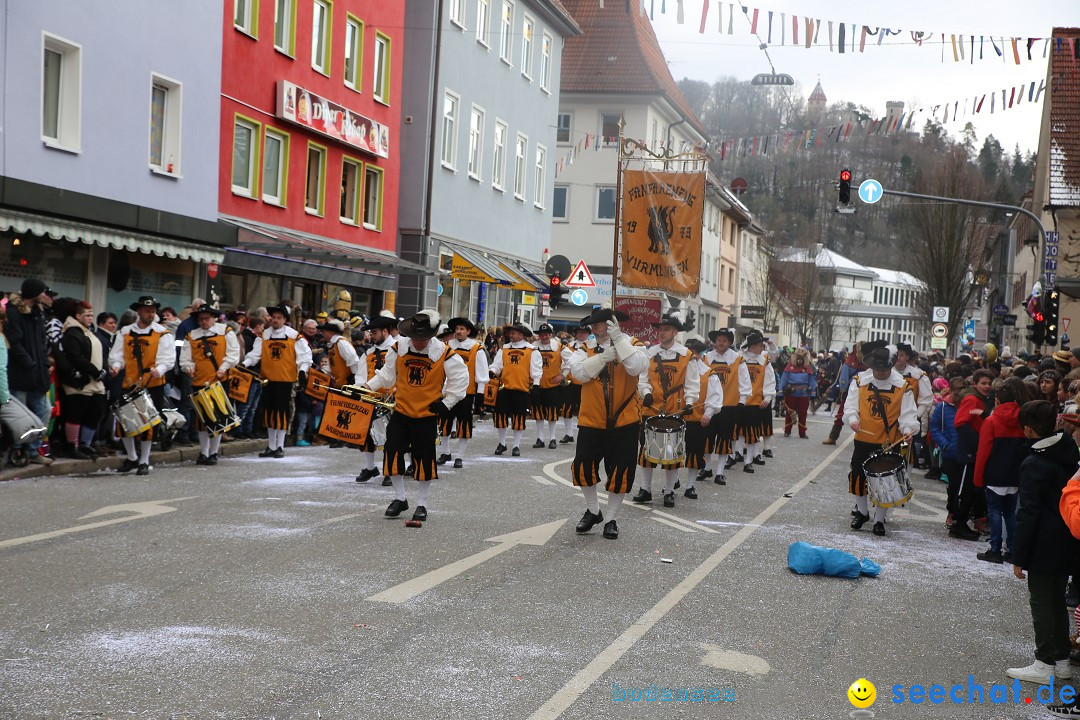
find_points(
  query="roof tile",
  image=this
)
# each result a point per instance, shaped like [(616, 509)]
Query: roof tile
[(1064, 99)]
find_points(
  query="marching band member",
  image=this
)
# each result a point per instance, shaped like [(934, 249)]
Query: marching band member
[(518, 367), (209, 352), (667, 388), (608, 367), (430, 379), (345, 364), (697, 371), (285, 358), (758, 410), (374, 359), (547, 389), (468, 348), (880, 408), (732, 381), (145, 352), (919, 382), (571, 391)]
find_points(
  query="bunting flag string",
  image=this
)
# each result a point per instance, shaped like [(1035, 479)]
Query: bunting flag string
[(804, 31)]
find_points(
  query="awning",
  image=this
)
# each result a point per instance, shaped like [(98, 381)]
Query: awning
[(524, 279), (295, 245), (80, 232), (469, 264)]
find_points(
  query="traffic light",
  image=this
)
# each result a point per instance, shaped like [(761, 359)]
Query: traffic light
[(556, 290), (1051, 311), (845, 186)]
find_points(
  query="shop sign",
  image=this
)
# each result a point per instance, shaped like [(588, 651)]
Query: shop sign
[(316, 113)]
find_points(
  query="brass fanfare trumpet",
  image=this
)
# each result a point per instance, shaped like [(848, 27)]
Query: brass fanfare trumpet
[(366, 394)]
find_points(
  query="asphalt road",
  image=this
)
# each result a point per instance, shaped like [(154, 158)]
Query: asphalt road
[(274, 589)]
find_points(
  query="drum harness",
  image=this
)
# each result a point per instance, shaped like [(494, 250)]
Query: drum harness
[(881, 409), (208, 351)]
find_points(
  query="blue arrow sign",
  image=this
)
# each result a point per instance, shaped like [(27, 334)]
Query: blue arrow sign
[(870, 191), (579, 297)]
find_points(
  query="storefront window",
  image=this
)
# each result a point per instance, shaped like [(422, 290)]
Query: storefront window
[(169, 280), (61, 264)]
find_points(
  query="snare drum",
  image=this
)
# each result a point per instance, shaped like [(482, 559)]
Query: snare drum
[(665, 440), (214, 408), (135, 413), (887, 480)]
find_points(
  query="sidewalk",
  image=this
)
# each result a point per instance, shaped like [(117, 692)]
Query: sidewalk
[(86, 467)]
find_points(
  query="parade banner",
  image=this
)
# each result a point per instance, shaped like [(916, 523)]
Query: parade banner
[(346, 419), (661, 231), (644, 313)]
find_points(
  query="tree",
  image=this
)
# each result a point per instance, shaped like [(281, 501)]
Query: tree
[(990, 159), (968, 139), (808, 290)]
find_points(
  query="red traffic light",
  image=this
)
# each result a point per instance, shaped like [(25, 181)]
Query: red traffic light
[(1038, 316), (556, 281), (845, 175)]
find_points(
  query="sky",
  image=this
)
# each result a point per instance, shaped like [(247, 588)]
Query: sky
[(901, 70)]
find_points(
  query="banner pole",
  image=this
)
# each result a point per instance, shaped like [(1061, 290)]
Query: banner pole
[(618, 219)]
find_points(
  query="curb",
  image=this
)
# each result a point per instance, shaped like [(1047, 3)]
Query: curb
[(88, 467)]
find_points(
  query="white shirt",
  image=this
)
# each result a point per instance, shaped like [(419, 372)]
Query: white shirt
[(536, 363), (232, 347), (303, 350), (481, 373), (166, 349), (714, 398), (552, 345), (691, 385), (925, 402), (635, 364), (457, 374), (768, 386), (909, 417), (348, 354)]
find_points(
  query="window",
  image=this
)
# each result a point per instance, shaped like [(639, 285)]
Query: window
[(61, 96), (449, 130), (457, 13), (246, 16), (498, 167), (382, 69), (526, 47), (373, 197), (245, 156), (320, 36), (539, 186), (560, 203), (521, 147), (506, 32), (476, 137), (609, 127), (165, 113), (483, 19), (545, 63), (350, 191), (284, 24), (275, 166), (562, 134), (314, 199), (605, 203), (731, 277), (354, 51)]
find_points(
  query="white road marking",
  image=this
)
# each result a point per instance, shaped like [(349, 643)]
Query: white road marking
[(584, 678), (542, 480), (338, 518), (675, 525), (718, 657), (146, 509)]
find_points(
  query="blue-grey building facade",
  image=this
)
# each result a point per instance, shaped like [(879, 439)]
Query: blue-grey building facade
[(481, 101)]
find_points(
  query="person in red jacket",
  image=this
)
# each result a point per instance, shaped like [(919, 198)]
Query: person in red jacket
[(975, 405), (1002, 447)]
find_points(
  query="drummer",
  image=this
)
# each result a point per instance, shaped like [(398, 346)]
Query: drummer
[(695, 428), (758, 411), (518, 367), (875, 393), (468, 348), (730, 382), (434, 380), (285, 358), (374, 359), (209, 352), (666, 389), (571, 391), (547, 390), (146, 352)]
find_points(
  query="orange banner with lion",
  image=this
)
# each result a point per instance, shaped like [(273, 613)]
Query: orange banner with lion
[(662, 216)]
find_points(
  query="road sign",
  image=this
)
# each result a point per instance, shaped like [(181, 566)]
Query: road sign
[(969, 327), (579, 297), (772, 79), (870, 191), (1065, 324), (940, 314), (1008, 320), (939, 330), (581, 277), (939, 343), (1001, 310), (558, 264)]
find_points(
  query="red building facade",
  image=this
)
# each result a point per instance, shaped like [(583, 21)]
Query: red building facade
[(310, 119)]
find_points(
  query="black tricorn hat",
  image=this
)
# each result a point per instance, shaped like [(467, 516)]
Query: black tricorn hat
[(544, 328), (753, 338), (205, 308), (905, 348), (726, 332), (523, 329), (600, 315), (421, 326), (878, 355), (146, 301), (454, 322), (334, 326), (671, 321), (380, 322), (281, 310)]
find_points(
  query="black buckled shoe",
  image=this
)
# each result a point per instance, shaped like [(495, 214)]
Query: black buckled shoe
[(552, 445), (366, 475), (669, 499), (500, 449), (515, 452), (611, 530), (720, 479), (731, 462), (859, 520), (335, 444), (588, 520), (144, 469), (444, 458), (738, 457), (457, 464), (962, 532), (748, 468), (396, 507), (410, 471), (202, 460), (567, 439), (213, 458), (758, 461), (879, 528), (767, 453), (386, 481), (267, 453), (690, 493), (539, 443), (643, 496), (278, 454), (128, 466), (420, 513), (704, 474), (678, 484)]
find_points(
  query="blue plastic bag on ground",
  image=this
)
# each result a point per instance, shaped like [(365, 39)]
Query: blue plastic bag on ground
[(807, 559)]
